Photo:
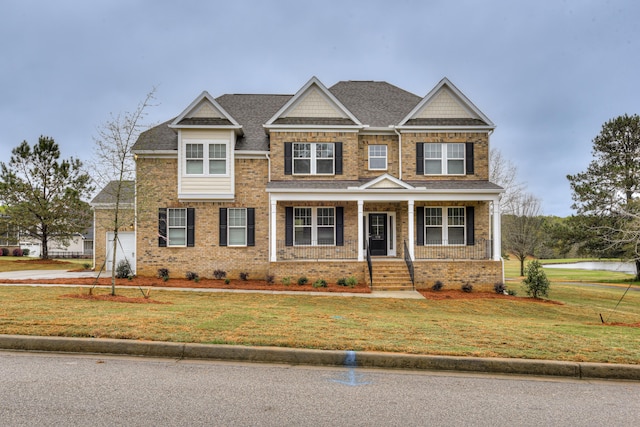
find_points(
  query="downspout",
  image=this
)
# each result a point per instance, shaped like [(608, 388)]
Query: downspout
[(399, 151)]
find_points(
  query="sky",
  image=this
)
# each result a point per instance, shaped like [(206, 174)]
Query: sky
[(548, 73)]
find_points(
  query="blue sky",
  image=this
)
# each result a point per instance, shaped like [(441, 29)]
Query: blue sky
[(548, 73)]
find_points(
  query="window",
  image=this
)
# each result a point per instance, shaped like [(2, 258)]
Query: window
[(177, 227), (377, 157), (313, 158), (195, 158), (314, 226), (237, 227), (444, 159), (446, 229)]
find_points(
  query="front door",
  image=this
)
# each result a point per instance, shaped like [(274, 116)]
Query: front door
[(378, 234)]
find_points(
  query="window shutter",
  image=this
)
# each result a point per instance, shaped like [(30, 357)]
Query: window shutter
[(251, 227), (470, 226), (288, 230), (420, 225), (339, 226), (223, 227), (288, 158), (162, 227), (338, 158), (419, 158), (191, 227), (469, 158)]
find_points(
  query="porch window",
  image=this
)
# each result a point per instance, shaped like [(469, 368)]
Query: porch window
[(445, 226), (377, 157), (314, 226)]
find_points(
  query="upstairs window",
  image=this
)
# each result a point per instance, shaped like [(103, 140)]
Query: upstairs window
[(216, 160), (444, 159), (313, 158), (377, 157)]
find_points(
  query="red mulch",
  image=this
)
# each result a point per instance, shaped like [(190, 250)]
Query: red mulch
[(114, 298)]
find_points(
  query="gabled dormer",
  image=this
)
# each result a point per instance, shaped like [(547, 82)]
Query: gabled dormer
[(206, 139), (446, 108), (315, 107)]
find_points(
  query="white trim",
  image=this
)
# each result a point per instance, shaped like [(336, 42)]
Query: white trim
[(386, 157), (156, 154), (371, 184), (205, 96), (392, 246), (202, 196), (250, 155), (307, 128)]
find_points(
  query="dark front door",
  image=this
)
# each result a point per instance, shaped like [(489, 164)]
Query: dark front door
[(378, 234)]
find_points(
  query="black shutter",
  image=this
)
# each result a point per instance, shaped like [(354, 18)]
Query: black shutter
[(191, 227), (162, 227), (338, 158), (469, 158), (339, 226), (288, 158), (288, 229), (223, 227), (471, 239), (251, 227), (420, 225), (419, 158)]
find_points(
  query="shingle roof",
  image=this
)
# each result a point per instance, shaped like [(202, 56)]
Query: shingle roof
[(446, 122), (108, 194), (160, 137)]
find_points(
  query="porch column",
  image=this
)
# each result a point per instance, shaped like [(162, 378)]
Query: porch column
[(273, 231), (412, 232), (497, 231), (360, 231)]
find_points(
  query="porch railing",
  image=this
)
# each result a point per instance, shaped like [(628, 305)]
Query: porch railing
[(315, 251), (442, 249), (409, 262)]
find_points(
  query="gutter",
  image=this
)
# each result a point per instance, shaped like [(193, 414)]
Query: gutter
[(395, 129)]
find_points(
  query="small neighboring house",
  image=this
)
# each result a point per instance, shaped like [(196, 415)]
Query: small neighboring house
[(79, 246), (359, 179)]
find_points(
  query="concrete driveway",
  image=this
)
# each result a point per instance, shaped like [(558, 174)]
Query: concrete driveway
[(45, 274)]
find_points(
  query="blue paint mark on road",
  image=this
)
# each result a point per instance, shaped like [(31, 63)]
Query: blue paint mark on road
[(352, 379)]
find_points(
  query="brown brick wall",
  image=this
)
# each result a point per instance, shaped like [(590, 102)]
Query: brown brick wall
[(104, 222), (329, 271), (453, 274), (391, 141)]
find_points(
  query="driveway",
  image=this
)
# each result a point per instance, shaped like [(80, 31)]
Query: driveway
[(45, 274)]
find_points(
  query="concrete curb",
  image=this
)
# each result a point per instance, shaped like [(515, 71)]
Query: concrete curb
[(577, 370)]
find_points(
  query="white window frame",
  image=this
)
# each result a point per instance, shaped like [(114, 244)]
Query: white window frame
[(377, 155), (447, 149), (313, 158), (315, 218), (235, 226), (447, 222), (206, 158), (170, 226)]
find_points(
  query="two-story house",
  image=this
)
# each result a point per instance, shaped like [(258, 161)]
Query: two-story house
[(360, 179)]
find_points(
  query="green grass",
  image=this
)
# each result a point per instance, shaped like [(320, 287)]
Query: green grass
[(512, 272), (517, 328)]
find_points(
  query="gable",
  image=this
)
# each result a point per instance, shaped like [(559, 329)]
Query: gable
[(314, 104), (204, 111), (444, 106)]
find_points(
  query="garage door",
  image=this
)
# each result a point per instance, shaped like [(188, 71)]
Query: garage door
[(126, 249)]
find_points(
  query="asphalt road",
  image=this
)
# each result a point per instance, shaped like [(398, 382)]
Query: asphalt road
[(50, 389)]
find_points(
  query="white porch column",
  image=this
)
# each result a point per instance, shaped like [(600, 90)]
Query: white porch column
[(412, 232), (497, 231), (273, 231), (360, 230)]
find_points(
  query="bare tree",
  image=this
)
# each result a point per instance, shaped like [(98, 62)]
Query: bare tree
[(504, 173), (114, 166), (521, 229)]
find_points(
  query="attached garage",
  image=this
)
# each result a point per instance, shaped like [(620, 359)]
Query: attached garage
[(126, 249)]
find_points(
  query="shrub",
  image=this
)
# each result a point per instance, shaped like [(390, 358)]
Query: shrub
[(320, 283), (303, 280), (500, 288), (437, 286), (5, 252), (512, 293), (342, 281), (227, 281), (26, 252), (286, 280), (270, 279), (467, 287), (17, 252), (244, 276), (163, 273), (123, 270), (352, 281), (219, 274), (86, 266), (191, 275), (535, 282)]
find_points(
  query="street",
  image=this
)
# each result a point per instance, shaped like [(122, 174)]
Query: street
[(53, 389)]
